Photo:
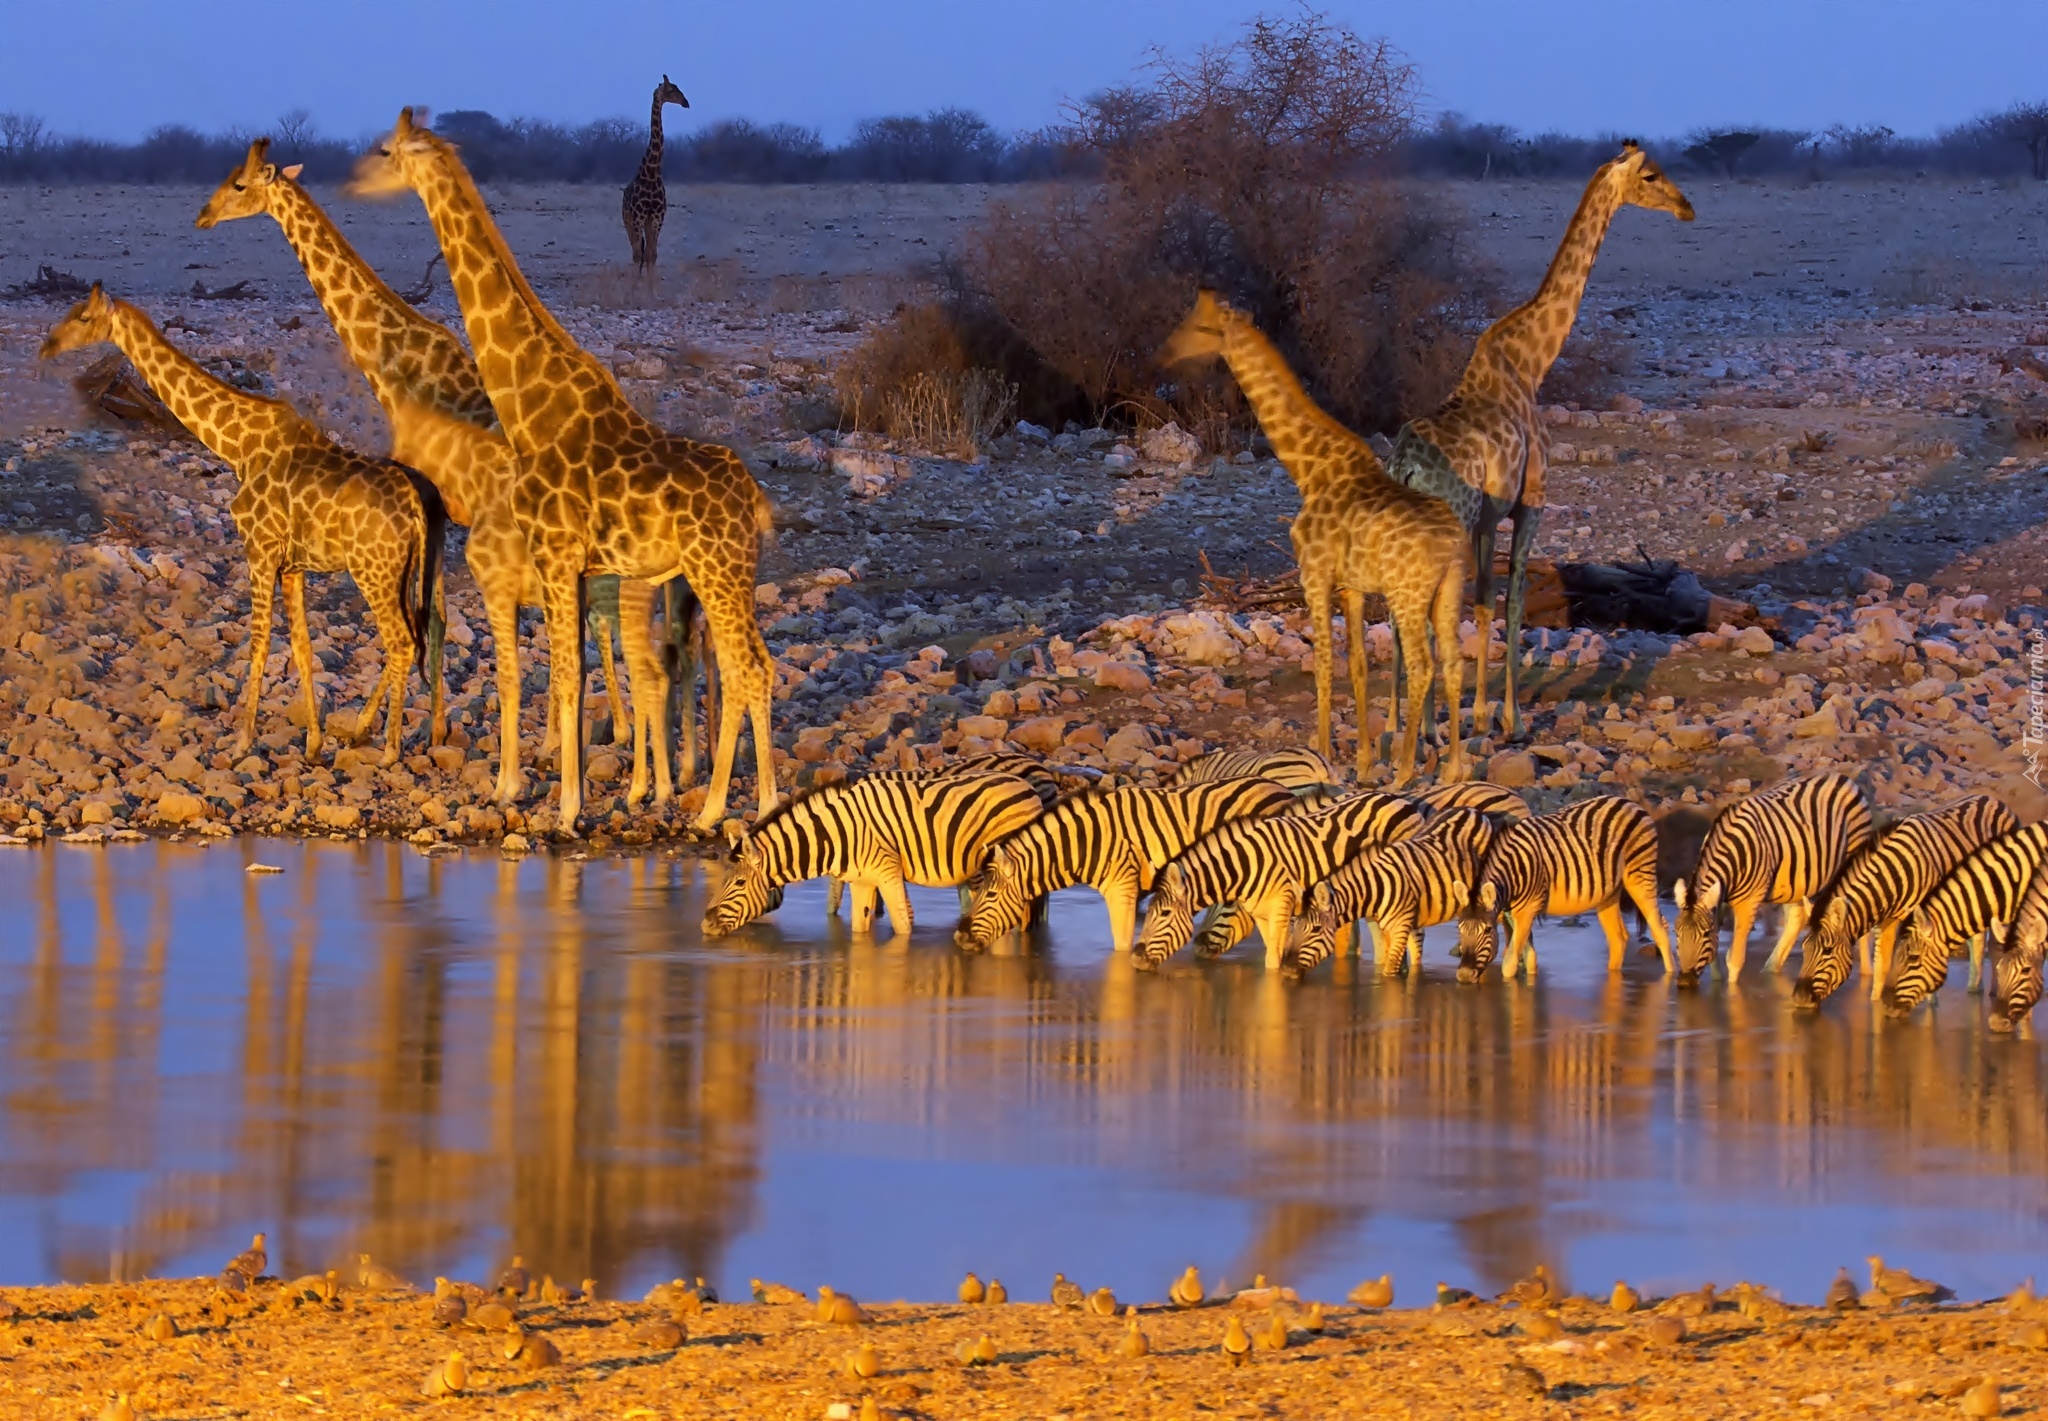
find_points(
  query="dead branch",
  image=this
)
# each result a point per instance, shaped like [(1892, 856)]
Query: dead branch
[(49, 282)]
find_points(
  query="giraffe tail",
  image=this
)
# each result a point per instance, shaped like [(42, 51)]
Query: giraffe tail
[(428, 562)]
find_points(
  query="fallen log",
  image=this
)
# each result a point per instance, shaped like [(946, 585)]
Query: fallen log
[(49, 282), (110, 386)]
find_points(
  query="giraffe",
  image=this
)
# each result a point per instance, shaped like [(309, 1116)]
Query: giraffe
[(646, 199), (305, 504), (599, 487), (424, 379), (1358, 531), (1483, 451)]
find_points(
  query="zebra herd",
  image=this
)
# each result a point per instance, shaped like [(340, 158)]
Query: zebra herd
[(1244, 840)]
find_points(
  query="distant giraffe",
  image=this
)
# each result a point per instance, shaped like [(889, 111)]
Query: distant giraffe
[(1483, 450), (1358, 531), (425, 380), (305, 505), (600, 488), (646, 200)]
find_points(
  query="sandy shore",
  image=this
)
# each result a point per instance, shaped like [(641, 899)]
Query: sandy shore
[(283, 1351)]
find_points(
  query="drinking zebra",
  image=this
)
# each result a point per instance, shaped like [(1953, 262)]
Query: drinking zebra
[(1974, 903), (1400, 889)]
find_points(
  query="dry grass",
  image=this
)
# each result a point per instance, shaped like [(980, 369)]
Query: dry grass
[(959, 413)]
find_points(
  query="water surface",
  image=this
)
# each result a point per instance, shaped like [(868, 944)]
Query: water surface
[(442, 1061)]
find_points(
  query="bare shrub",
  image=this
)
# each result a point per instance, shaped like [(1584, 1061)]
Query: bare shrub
[(912, 379), (957, 413), (1258, 167), (1590, 368)]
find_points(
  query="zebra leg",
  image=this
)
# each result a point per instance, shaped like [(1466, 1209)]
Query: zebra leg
[(1232, 924), (1524, 945), (1792, 922), (1609, 915), (1738, 939), (1644, 893), (1976, 963), (1863, 955), (896, 900), (835, 891), (1881, 967), (1276, 925), (1120, 896)]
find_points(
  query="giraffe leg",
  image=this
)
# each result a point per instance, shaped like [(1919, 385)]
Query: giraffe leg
[(1482, 609), (651, 242), (651, 692), (1354, 620), (743, 675), (262, 591), (563, 597), (1318, 597), (437, 636), (679, 655), (1411, 628), (302, 655), (1450, 596), (395, 636), (501, 609), (1525, 517)]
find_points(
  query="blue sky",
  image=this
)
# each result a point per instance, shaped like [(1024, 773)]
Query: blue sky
[(1653, 67)]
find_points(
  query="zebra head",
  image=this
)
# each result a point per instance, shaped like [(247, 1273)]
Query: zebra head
[(1168, 921), (1699, 928), (1317, 937), (2015, 985), (745, 895), (1923, 955), (1828, 956), (1478, 929), (998, 904)]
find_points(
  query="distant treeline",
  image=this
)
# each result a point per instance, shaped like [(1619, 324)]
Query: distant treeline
[(958, 146)]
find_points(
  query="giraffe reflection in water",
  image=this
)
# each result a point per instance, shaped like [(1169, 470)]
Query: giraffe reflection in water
[(440, 1061)]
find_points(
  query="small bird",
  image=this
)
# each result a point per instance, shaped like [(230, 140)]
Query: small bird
[(1538, 1326), (552, 1292), (1102, 1303), (1186, 1291), (1449, 1297), (1521, 1379), (706, 1294), (233, 1280), (1536, 1290), (1624, 1298), (330, 1285), (2034, 1335), (1898, 1284), (1237, 1343), (1374, 1293), (450, 1378), (449, 1307), (666, 1295), (1135, 1344), (972, 1290), (515, 1280), (660, 1334), (533, 1352), (1273, 1336), (1982, 1399), (863, 1362), (997, 1293), (251, 1261), (1067, 1294), (775, 1293), (118, 1409), (587, 1293), (492, 1317), (1842, 1295), (1698, 1304), (689, 1302), (1664, 1330), (979, 1353), (1314, 1321), (839, 1308), (160, 1328), (379, 1279)]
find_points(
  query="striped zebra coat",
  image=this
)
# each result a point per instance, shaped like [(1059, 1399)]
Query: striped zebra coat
[(1784, 846), (878, 834), (1265, 867), (2016, 972), (1298, 770), (1582, 859), (1883, 885), (1115, 842), (1502, 806), (1977, 900), (1401, 889)]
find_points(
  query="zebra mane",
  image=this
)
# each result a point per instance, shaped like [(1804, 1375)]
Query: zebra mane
[(788, 805)]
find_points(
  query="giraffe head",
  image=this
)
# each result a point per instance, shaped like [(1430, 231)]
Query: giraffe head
[(1639, 182), (399, 161), (667, 93), (1201, 335), (246, 191), (90, 322)]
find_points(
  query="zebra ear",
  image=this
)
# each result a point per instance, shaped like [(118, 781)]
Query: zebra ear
[(1489, 896), (1173, 879), (1678, 893), (1710, 898)]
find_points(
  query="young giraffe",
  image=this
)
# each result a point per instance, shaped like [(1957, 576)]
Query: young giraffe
[(646, 199), (426, 383), (600, 488), (1358, 531), (1483, 450), (305, 505)]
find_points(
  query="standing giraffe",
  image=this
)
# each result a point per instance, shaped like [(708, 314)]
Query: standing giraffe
[(1483, 450), (305, 505), (1358, 531), (646, 199), (600, 488), (426, 382)]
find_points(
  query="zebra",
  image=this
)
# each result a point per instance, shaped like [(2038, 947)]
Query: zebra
[(1975, 902), (1303, 770), (1401, 889), (1783, 846), (1265, 867), (1501, 806), (1115, 842), (1583, 858), (1043, 778), (878, 834), (2016, 971), (1881, 887)]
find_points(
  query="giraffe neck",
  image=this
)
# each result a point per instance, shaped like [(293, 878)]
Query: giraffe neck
[(1533, 333), (392, 344), (525, 357), (233, 423), (1302, 434), (650, 161)]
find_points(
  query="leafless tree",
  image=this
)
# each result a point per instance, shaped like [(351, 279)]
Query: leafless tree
[(21, 134), (294, 130), (2026, 125), (1721, 151)]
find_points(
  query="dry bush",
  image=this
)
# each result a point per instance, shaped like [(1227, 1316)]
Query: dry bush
[(958, 413), (797, 295), (713, 281), (1255, 167), (912, 380), (1589, 370)]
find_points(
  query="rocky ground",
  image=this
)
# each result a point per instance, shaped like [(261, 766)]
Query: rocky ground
[(1869, 472), (187, 1349)]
